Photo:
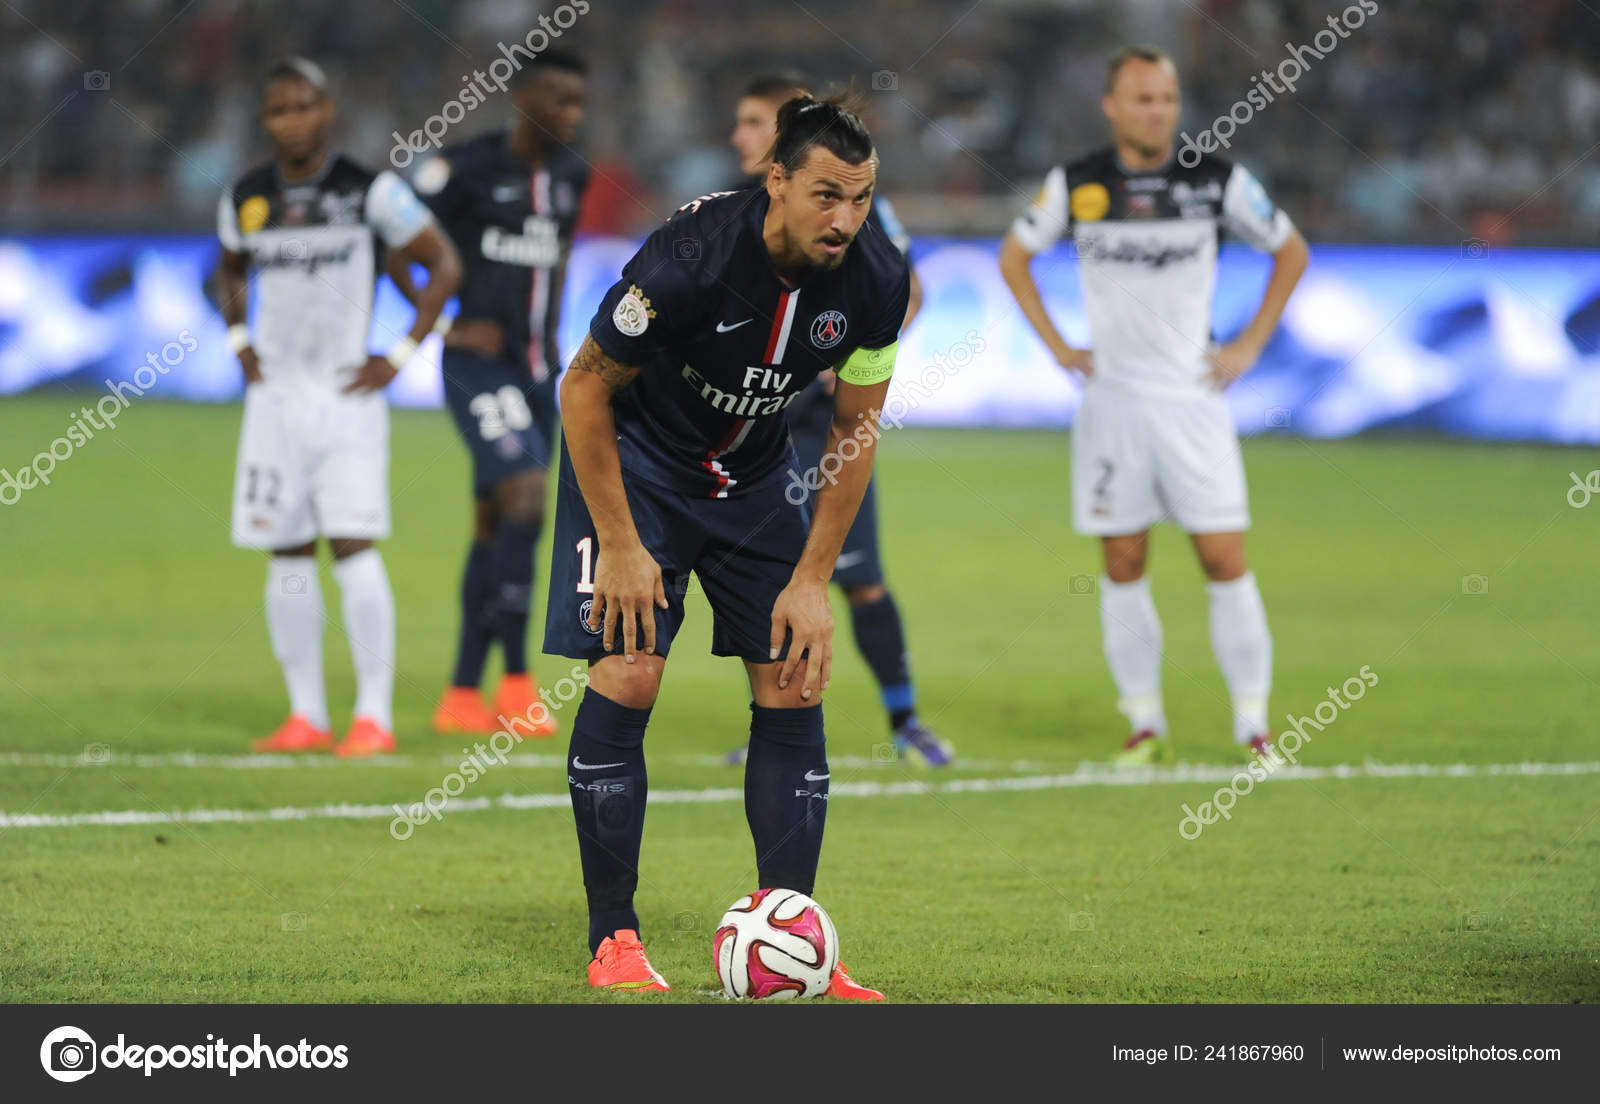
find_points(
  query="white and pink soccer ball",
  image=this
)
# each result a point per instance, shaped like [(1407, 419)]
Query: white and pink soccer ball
[(775, 944)]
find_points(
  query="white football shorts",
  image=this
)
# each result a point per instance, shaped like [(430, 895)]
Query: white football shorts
[(1140, 457), (312, 462)]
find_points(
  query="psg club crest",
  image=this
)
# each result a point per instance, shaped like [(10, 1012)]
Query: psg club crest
[(583, 617), (828, 330)]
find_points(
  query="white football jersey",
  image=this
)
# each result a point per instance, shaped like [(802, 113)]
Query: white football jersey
[(1146, 244), (314, 255)]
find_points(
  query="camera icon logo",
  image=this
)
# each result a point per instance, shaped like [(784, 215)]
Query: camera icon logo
[(1083, 584), (1474, 249), (68, 1054), (1278, 417), (1475, 584), (96, 80), (1080, 921), (294, 584), (686, 249), (885, 80)]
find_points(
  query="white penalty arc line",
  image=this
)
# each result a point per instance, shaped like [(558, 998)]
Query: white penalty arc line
[(1085, 776)]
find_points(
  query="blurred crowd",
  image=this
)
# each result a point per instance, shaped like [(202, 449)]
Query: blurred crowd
[(1434, 120)]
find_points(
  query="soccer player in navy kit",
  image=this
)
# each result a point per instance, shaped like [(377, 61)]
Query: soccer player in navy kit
[(874, 617), (675, 458), (510, 201)]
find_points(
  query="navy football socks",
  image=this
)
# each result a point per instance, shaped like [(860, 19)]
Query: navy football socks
[(882, 640), (608, 785), (513, 545), (477, 625), (786, 795)]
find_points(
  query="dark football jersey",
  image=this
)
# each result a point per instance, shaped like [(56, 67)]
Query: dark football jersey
[(510, 225), (725, 346)]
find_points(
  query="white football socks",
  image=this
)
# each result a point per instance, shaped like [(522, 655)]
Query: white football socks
[(368, 605), (294, 622), (1243, 646), (1131, 634)]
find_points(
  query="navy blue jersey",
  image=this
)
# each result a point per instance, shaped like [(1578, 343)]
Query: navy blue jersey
[(512, 227), (725, 346)]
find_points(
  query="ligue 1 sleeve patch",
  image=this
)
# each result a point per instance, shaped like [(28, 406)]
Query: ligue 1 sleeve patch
[(633, 313), (253, 214), (1089, 202), (865, 367)]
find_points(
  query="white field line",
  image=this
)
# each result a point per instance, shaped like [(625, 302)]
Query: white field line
[(1086, 775), (527, 760)]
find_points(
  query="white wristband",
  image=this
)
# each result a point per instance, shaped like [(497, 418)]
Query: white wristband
[(239, 337), (442, 326), (401, 352)]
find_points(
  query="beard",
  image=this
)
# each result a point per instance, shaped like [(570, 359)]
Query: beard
[(830, 261)]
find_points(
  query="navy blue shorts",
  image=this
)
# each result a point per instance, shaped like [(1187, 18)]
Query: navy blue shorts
[(742, 551), (858, 563), (507, 421)]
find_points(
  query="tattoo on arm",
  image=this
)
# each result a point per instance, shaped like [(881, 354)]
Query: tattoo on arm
[(591, 358)]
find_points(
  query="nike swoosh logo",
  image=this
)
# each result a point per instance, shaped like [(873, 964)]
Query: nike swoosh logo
[(813, 776), (581, 765), (723, 327)]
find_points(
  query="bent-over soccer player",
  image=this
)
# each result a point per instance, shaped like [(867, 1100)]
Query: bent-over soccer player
[(674, 457)]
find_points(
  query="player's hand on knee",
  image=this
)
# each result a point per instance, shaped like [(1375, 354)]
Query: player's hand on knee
[(628, 586), (802, 610)]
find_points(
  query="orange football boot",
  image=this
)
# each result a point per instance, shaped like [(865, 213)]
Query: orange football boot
[(296, 734), (518, 697), (620, 964), (366, 737), (843, 987), (462, 709)]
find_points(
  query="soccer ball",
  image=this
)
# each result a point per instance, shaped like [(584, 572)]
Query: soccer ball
[(775, 944)]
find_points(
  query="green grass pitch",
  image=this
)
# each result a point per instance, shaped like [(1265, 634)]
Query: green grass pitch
[(128, 621)]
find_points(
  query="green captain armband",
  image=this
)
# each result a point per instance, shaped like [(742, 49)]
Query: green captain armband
[(868, 366)]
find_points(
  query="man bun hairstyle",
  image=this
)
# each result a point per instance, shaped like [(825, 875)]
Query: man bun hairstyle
[(832, 124)]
